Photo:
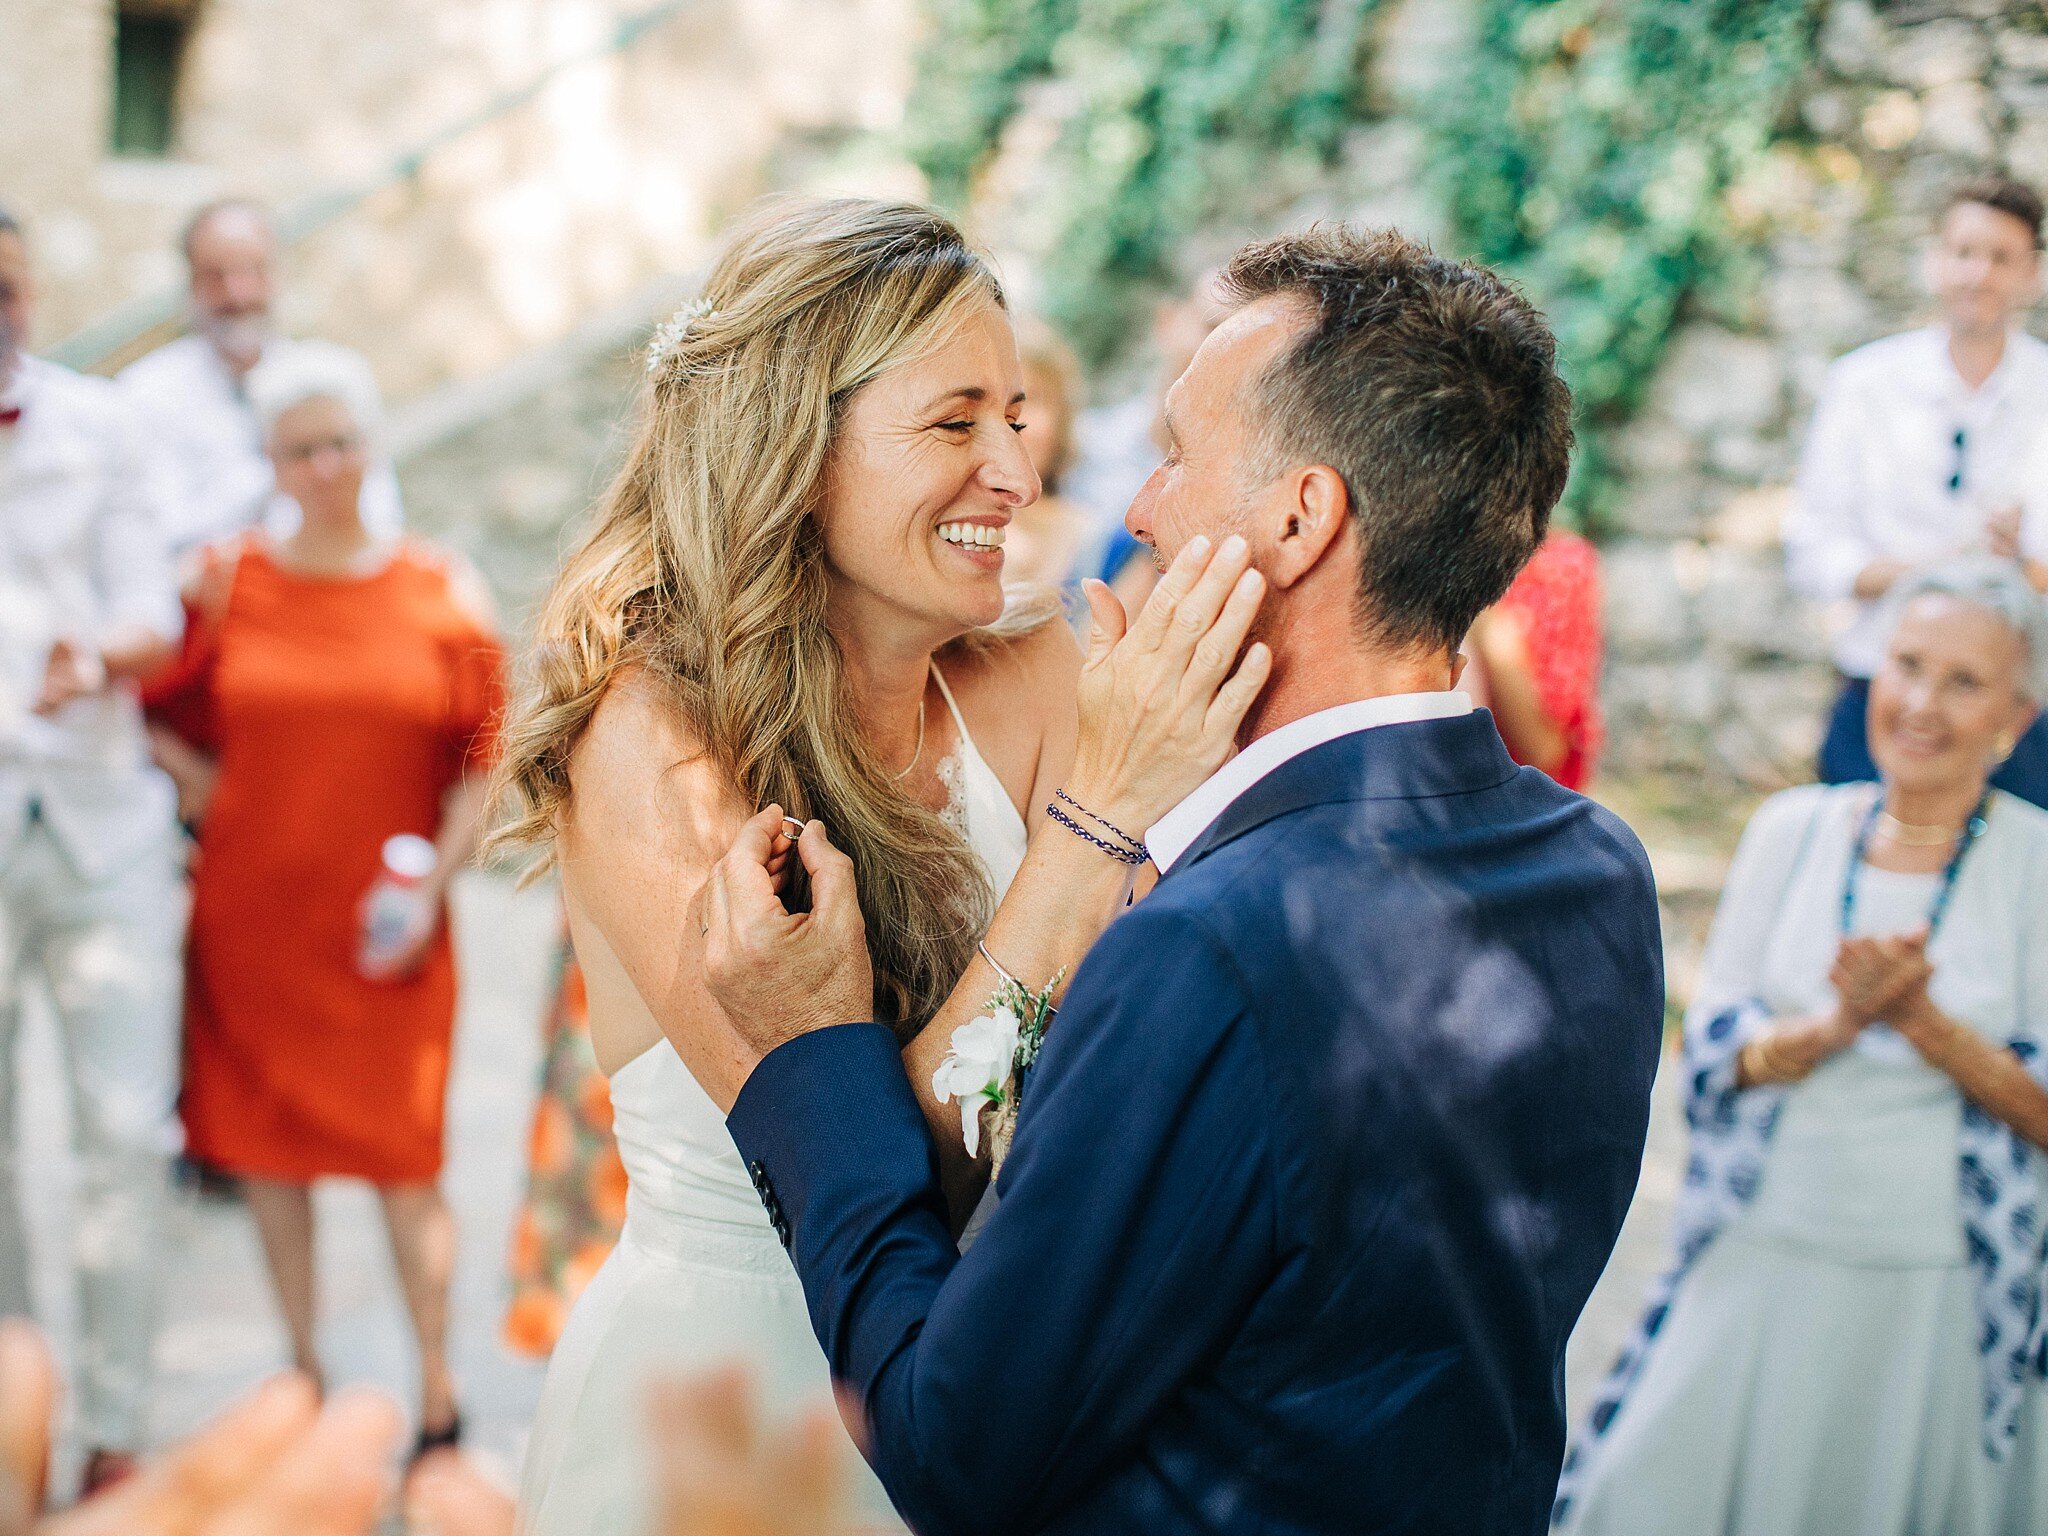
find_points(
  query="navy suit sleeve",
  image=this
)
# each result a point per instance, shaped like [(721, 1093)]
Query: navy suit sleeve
[(1135, 1229)]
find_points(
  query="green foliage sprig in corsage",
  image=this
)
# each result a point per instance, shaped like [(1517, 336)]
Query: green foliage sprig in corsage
[(988, 1059)]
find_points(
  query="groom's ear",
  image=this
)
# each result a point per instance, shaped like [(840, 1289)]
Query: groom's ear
[(1306, 515)]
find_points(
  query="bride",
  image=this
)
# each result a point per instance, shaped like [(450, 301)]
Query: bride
[(792, 595)]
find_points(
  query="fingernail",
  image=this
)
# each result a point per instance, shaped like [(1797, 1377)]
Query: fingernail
[(1234, 545), (1199, 544)]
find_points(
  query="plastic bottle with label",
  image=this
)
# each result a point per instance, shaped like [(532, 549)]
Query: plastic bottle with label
[(392, 909)]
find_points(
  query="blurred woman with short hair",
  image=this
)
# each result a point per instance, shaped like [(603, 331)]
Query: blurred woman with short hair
[(339, 694), (1851, 1336)]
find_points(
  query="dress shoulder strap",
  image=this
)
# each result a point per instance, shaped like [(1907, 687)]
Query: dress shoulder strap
[(953, 709)]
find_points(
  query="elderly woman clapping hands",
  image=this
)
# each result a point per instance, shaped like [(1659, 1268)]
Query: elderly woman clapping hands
[(1850, 1337)]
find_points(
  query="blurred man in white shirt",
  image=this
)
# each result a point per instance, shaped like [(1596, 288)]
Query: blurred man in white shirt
[(90, 893), (216, 479), (1922, 448)]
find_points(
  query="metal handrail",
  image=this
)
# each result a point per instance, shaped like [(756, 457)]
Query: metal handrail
[(128, 323)]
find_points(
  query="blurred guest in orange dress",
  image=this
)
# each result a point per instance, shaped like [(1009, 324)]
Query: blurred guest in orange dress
[(576, 1193), (1534, 660), (333, 706)]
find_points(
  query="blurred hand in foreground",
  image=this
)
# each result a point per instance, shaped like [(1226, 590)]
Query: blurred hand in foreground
[(720, 1472), (279, 1464), (717, 1472), (28, 1400), (275, 1464)]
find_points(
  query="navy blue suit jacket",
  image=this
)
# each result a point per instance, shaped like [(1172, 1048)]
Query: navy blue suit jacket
[(1327, 1146)]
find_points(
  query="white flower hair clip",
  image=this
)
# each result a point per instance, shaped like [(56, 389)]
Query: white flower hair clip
[(670, 334)]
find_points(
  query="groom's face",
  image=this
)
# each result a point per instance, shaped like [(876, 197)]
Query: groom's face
[(1209, 480)]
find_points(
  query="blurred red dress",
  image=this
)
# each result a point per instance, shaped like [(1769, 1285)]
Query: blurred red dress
[(1557, 598), (342, 710)]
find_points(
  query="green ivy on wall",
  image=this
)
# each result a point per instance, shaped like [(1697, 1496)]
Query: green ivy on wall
[(1178, 114), (972, 70), (1587, 148), (1588, 152)]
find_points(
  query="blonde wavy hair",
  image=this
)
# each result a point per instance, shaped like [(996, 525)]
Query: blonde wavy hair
[(704, 565)]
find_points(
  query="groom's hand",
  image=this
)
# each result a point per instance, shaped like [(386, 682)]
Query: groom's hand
[(778, 974)]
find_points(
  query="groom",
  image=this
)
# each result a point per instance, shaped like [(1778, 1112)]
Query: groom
[(1335, 1129)]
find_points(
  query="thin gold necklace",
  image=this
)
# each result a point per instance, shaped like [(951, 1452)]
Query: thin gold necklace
[(915, 752), (1909, 834)]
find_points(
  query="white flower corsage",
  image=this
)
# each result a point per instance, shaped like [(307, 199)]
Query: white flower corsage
[(987, 1060)]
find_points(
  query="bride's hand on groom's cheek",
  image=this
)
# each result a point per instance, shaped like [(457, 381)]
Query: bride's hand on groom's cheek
[(778, 974), (1161, 697)]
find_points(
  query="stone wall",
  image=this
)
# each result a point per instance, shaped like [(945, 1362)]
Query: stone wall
[(506, 480), (512, 233)]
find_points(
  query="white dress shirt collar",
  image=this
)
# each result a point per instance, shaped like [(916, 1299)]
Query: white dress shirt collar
[(1180, 828)]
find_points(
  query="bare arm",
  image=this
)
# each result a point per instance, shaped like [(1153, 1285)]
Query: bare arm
[(461, 829), (1995, 1080), (192, 771), (1502, 644), (1792, 1048), (77, 669), (650, 816), (647, 818)]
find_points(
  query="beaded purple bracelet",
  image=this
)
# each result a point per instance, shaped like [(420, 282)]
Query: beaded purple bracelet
[(1108, 826), (1131, 856)]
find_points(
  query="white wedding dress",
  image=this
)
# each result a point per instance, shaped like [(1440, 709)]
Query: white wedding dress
[(698, 1278)]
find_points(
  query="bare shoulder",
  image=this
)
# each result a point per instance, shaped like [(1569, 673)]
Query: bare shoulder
[(639, 779), (648, 815)]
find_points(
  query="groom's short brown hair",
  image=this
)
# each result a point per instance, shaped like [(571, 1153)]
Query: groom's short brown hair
[(1431, 386)]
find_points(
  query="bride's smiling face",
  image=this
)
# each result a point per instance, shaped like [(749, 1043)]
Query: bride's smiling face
[(926, 473)]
